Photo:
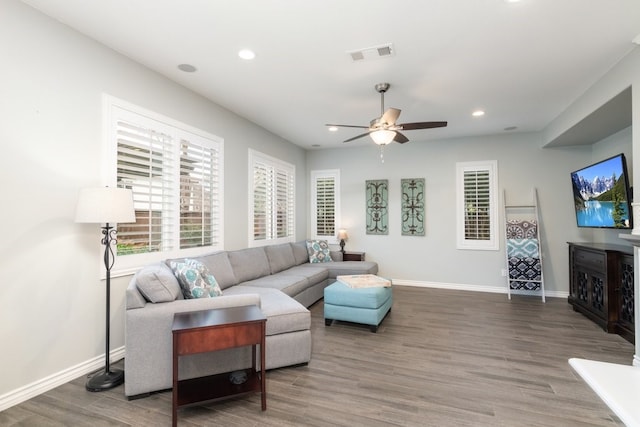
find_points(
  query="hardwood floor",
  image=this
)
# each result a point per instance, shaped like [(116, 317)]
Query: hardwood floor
[(440, 358)]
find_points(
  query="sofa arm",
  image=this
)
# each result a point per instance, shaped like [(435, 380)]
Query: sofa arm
[(149, 340)]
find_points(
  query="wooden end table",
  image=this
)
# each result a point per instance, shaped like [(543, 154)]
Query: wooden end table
[(213, 330)]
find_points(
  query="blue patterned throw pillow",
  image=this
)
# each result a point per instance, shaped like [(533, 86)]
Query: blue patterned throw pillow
[(318, 251), (195, 279)]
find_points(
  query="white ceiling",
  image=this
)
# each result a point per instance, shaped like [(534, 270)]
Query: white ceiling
[(523, 63)]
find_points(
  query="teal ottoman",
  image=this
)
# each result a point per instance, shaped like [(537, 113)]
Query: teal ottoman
[(367, 306)]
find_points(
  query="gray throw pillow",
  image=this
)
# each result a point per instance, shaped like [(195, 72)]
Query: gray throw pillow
[(157, 283)]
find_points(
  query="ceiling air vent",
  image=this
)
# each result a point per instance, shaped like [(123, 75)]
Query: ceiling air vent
[(375, 52)]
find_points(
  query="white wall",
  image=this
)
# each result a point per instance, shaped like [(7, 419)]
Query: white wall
[(51, 83)]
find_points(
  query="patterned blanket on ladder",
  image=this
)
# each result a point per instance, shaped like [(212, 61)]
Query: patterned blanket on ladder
[(523, 253)]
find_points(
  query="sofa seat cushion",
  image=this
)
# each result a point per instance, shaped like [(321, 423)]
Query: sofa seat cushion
[(290, 284), (315, 273), (350, 267), (284, 314)]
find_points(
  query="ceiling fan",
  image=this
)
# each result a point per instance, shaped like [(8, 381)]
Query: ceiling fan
[(384, 129)]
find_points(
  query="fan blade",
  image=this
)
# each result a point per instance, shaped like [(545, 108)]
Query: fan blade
[(349, 126), (390, 116), (422, 125), (400, 138), (356, 137)]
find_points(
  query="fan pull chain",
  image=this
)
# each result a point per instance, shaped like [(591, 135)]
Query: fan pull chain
[(381, 153)]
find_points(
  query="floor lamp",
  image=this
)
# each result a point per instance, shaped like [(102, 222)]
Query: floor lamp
[(106, 206)]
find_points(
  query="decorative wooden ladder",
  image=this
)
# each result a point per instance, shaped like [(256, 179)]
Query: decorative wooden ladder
[(523, 249)]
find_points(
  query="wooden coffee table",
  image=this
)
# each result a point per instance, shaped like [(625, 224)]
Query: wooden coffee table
[(213, 330)]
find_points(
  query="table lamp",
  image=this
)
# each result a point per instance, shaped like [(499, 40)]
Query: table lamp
[(342, 235)]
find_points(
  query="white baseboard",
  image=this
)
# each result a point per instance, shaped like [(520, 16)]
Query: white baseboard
[(41, 386), (476, 288)]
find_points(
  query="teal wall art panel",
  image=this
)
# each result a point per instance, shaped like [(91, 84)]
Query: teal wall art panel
[(412, 199), (377, 195)]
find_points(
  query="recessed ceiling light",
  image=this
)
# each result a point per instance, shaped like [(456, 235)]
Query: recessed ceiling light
[(478, 113), (509, 128), (315, 145), (246, 54), (333, 128), (187, 68)]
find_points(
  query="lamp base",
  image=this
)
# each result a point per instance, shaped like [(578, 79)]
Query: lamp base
[(105, 380)]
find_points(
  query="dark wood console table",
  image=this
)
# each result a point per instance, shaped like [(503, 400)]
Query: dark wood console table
[(212, 330), (601, 285), (353, 256)]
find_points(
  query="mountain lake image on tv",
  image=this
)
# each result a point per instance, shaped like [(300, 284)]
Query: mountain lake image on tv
[(601, 194)]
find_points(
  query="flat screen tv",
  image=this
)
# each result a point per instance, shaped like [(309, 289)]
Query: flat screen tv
[(601, 194)]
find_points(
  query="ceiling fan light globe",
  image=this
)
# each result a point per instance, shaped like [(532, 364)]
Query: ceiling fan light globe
[(382, 136)]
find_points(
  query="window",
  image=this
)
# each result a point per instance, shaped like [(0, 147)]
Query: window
[(477, 205), (325, 204), (271, 200), (175, 174)]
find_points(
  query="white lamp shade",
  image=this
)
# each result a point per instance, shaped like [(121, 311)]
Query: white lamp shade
[(382, 136), (105, 205), (342, 234)]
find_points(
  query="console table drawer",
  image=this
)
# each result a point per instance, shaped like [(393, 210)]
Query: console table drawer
[(594, 260)]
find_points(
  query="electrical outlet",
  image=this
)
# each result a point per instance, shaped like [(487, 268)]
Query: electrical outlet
[(504, 272)]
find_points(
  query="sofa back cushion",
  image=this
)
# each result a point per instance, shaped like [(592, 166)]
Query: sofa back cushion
[(300, 252), (280, 257), (249, 264), (219, 265)]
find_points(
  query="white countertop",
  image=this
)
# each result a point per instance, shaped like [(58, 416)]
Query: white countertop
[(617, 385)]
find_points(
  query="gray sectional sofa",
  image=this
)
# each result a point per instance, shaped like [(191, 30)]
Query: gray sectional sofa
[(277, 278)]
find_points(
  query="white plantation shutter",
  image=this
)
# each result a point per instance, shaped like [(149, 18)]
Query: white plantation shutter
[(477, 202), (199, 194), (272, 198), (145, 165), (176, 179), (262, 193), (284, 203), (324, 204), (477, 205), (325, 207)]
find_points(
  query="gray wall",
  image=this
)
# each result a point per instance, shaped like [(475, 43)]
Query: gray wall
[(434, 259)]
